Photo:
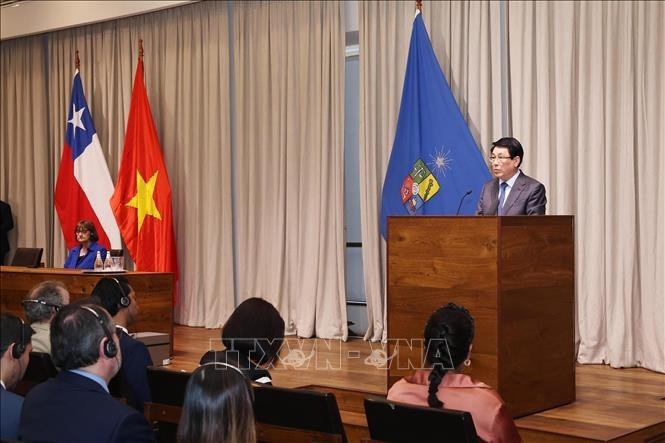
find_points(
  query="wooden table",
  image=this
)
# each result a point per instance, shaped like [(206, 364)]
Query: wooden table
[(154, 292)]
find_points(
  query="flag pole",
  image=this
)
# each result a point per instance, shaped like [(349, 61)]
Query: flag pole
[(141, 49), (419, 5), (77, 62)]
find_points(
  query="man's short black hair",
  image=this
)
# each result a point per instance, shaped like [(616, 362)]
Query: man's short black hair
[(10, 331), (108, 291), (513, 145), (76, 334)]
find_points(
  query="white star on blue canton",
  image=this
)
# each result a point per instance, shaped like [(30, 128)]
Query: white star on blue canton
[(76, 120)]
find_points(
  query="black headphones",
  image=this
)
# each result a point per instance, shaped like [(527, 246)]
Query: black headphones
[(110, 349), (19, 344), (42, 302), (124, 299)]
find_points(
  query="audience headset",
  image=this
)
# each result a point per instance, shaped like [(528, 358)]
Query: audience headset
[(124, 299), (110, 349), (42, 302), (19, 345)]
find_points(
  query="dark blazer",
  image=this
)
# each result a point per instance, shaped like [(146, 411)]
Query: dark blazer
[(87, 262), (527, 197), (240, 361), (10, 414), (135, 360), (72, 408), (6, 225)]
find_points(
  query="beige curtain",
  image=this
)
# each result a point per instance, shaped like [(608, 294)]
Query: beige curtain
[(465, 37), (27, 180), (288, 167), (588, 100)]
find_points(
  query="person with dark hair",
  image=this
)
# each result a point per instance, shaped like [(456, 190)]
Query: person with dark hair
[(83, 256), (76, 406), (116, 296), (217, 407), (252, 336), (42, 303), (6, 225), (448, 340), (15, 349), (511, 192)]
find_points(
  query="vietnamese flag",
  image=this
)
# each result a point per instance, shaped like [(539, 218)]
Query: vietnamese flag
[(141, 201)]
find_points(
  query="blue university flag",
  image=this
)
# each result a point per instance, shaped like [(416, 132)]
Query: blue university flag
[(434, 161)]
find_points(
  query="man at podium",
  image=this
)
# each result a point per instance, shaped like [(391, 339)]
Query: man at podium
[(511, 192)]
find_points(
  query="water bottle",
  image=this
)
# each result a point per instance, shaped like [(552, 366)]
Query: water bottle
[(108, 263), (99, 264)]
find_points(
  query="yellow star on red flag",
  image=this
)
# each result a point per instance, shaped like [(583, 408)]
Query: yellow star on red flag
[(143, 199)]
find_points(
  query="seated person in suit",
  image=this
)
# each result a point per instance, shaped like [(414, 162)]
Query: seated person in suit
[(15, 348), (41, 305), (116, 296), (511, 192), (448, 337), (217, 407), (252, 335), (76, 406), (83, 256)]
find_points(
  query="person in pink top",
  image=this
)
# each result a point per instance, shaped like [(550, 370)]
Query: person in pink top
[(448, 341)]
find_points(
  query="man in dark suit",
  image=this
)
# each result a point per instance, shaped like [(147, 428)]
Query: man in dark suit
[(6, 225), (116, 296), (76, 406), (511, 192), (15, 347)]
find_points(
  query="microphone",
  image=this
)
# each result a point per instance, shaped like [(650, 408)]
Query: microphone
[(467, 193)]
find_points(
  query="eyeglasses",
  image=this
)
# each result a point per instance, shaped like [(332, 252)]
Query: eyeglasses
[(501, 159), (82, 231)]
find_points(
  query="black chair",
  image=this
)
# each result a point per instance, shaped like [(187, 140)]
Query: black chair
[(29, 257), (116, 252), (40, 368), (400, 423), (284, 414), (167, 389)]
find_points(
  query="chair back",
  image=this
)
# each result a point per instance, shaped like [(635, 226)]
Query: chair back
[(295, 415), (29, 257), (40, 368), (116, 252), (167, 387), (394, 422)]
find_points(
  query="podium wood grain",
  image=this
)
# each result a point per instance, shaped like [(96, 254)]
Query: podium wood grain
[(515, 275), (154, 292)]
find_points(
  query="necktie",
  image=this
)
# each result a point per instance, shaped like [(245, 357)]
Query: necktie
[(502, 195)]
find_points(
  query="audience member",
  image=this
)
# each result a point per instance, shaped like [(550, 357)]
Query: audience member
[(83, 256), (252, 335), (448, 337), (76, 406), (217, 406), (41, 305), (15, 348), (116, 296)]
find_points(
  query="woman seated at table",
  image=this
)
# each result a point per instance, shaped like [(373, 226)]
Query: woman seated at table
[(252, 335), (83, 256), (448, 337)]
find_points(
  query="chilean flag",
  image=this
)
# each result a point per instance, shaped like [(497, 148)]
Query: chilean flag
[(84, 186)]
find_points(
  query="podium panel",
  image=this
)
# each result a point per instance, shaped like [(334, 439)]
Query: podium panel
[(515, 274), (154, 292)]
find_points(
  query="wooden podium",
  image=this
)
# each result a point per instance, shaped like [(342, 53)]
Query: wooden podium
[(515, 274)]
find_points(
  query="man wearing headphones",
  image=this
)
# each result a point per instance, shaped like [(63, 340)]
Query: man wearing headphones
[(41, 305), (76, 406), (117, 297), (15, 346)]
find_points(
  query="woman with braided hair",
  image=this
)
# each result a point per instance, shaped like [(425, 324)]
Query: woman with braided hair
[(448, 341)]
